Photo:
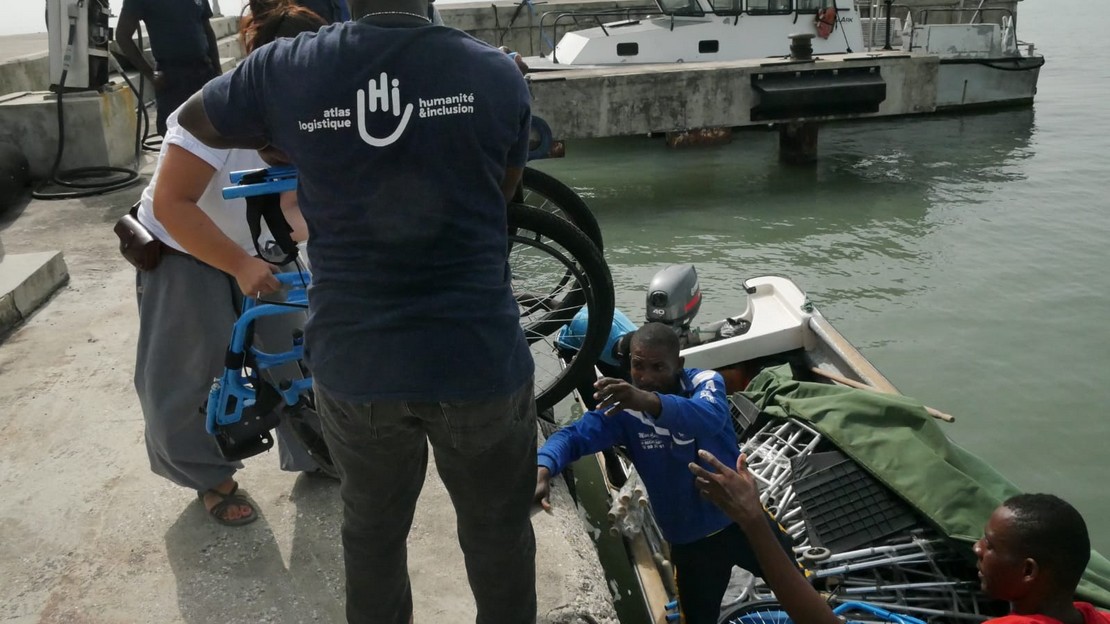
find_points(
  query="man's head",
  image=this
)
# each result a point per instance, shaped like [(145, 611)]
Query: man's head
[(655, 363), (1034, 546)]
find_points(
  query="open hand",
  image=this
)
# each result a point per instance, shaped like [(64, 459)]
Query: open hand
[(543, 489), (614, 395), (734, 491)]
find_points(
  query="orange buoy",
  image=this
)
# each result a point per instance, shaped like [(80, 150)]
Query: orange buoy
[(826, 21)]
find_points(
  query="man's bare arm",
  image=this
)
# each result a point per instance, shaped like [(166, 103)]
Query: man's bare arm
[(511, 181), (213, 47), (125, 33), (195, 119)]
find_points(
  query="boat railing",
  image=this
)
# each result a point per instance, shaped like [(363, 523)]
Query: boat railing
[(616, 17), (1007, 21), (977, 14), (888, 18), (605, 19)]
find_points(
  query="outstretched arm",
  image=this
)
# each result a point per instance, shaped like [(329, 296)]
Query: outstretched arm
[(590, 434), (735, 492), (705, 413)]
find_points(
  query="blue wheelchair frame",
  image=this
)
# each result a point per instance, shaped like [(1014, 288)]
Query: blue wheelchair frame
[(242, 426), (238, 385)]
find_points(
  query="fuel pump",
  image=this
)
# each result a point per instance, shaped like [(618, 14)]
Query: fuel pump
[(79, 35)]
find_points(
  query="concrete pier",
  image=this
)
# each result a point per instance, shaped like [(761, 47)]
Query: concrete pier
[(642, 99), (100, 125), (90, 535)]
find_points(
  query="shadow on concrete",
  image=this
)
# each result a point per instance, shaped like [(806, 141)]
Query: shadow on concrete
[(239, 574), (9, 215), (316, 556)]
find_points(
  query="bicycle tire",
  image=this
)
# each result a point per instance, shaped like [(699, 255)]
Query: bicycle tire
[(543, 191), (581, 278)]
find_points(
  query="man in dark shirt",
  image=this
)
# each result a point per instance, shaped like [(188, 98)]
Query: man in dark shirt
[(408, 139), (330, 10), (184, 47)]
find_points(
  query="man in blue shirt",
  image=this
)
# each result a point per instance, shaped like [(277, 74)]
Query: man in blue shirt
[(182, 42), (408, 139), (663, 418)]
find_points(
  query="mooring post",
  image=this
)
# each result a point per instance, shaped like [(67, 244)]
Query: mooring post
[(798, 142), (887, 46), (801, 46)]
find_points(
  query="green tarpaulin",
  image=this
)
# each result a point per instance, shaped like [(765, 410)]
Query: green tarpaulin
[(896, 440)]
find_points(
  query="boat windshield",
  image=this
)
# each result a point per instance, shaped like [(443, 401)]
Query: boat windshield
[(681, 7), (736, 7)]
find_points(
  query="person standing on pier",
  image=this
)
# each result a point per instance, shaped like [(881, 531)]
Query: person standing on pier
[(182, 42), (409, 138), (662, 418), (189, 301)]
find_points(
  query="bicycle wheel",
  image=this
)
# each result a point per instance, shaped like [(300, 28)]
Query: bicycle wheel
[(549, 194), (556, 270)]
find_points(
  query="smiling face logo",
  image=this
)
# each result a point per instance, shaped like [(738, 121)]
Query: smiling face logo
[(384, 95)]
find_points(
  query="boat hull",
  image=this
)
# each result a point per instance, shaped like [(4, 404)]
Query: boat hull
[(980, 83)]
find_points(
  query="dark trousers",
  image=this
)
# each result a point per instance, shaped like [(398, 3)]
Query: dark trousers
[(704, 568), (181, 82), (485, 452)]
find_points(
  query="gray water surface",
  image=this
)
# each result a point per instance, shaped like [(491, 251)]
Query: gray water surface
[(966, 256)]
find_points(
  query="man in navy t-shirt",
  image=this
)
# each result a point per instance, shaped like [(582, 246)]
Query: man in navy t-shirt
[(182, 42), (408, 138)]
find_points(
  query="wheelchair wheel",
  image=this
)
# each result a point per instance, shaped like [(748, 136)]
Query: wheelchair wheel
[(756, 612), (549, 194), (556, 270)]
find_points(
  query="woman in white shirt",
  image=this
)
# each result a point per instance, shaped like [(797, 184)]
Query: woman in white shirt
[(188, 303)]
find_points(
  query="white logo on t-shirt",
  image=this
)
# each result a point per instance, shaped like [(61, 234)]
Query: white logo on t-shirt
[(385, 95)]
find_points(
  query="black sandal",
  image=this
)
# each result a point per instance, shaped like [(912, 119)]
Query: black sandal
[(226, 500)]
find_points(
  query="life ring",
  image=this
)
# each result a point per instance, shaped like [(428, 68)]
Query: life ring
[(826, 21)]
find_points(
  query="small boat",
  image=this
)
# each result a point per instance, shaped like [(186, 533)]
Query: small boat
[(882, 507)]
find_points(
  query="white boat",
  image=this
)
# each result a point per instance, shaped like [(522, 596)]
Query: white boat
[(981, 63)]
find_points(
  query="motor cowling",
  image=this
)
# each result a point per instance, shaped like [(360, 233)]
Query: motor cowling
[(674, 296)]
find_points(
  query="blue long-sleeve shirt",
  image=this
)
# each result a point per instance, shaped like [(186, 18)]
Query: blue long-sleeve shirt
[(660, 448)]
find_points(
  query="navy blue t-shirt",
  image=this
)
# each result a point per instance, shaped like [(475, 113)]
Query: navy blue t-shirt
[(175, 28), (329, 10), (401, 136)]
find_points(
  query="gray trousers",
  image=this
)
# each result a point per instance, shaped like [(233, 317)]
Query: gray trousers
[(485, 452), (186, 310)]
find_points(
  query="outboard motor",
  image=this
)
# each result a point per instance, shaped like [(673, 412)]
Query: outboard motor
[(674, 298)]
